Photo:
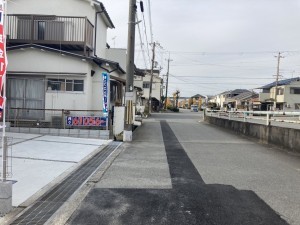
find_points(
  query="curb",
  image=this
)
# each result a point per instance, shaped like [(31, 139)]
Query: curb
[(17, 211), (62, 215)]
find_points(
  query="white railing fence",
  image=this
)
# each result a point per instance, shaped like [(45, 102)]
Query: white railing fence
[(268, 116)]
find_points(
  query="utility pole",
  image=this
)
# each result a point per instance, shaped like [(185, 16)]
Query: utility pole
[(127, 134), (277, 78), (167, 82), (151, 78)]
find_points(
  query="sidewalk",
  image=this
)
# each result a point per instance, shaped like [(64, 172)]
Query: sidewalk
[(143, 164)]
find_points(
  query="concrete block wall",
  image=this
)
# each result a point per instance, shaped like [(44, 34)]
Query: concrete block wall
[(287, 138)]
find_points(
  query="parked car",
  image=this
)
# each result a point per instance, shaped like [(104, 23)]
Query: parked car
[(194, 108)]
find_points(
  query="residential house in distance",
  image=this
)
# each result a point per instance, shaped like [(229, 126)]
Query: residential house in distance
[(183, 102), (186, 102), (246, 101), (287, 96), (226, 99), (198, 100), (157, 89), (57, 54)]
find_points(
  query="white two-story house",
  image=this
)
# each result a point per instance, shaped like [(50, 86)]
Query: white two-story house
[(57, 54), (157, 89), (287, 96)]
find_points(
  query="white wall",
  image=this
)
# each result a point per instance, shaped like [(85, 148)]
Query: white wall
[(289, 98), (35, 60), (156, 87), (117, 55), (53, 7), (49, 62), (101, 38)]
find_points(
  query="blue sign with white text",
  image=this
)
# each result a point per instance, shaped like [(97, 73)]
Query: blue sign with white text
[(105, 92)]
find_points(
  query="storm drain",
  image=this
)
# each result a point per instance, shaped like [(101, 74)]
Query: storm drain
[(51, 201)]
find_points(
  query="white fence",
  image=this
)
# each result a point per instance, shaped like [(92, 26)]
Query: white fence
[(255, 116)]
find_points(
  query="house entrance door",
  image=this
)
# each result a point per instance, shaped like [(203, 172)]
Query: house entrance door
[(26, 94)]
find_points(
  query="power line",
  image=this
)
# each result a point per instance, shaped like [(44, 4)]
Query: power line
[(142, 44), (213, 83), (220, 77), (234, 53), (150, 20), (146, 36)]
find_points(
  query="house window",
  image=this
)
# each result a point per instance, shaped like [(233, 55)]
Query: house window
[(65, 85), (280, 91), (146, 85), (26, 93), (297, 105), (41, 30), (295, 90)]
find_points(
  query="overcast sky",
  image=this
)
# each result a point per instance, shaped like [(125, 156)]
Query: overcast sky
[(215, 45)]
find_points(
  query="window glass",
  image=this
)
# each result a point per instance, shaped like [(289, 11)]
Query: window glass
[(56, 84), (146, 85), (64, 85), (69, 85), (295, 91), (78, 85), (41, 30)]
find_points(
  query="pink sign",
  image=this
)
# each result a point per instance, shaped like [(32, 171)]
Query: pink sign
[(3, 59)]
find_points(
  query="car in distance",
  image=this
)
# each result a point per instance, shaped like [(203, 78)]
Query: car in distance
[(194, 108)]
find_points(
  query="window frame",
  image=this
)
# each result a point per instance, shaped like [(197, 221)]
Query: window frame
[(66, 85)]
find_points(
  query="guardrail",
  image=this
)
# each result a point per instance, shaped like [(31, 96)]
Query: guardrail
[(268, 116)]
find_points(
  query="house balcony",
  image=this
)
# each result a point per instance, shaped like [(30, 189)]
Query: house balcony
[(60, 32), (264, 96)]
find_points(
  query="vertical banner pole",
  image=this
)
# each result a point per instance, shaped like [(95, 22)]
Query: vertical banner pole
[(3, 65)]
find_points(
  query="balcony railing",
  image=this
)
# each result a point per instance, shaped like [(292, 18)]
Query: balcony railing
[(67, 33)]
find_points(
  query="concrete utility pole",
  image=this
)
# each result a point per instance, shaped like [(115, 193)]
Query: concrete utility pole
[(127, 134), (151, 78), (277, 78), (167, 82)]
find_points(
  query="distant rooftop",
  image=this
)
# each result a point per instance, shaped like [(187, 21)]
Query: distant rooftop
[(246, 95), (234, 92), (198, 96), (280, 82)]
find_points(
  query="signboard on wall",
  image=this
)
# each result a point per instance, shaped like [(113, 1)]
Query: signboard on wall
[(105, 77), (89, 121)]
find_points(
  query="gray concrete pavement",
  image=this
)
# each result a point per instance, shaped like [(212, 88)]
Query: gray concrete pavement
[(225, 158), (138, 167), (141, 186)]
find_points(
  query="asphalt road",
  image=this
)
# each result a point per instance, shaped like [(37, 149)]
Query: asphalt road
[(179, 170)]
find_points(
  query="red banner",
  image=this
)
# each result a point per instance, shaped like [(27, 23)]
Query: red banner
[(3, 59)]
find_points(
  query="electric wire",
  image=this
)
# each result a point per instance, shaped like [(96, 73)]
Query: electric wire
[(146, 36), (141, 43)]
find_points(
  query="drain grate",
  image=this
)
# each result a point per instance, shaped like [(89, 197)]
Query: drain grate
[(51, 201)]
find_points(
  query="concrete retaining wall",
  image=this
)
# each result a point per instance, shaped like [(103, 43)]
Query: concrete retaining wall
[(97, 134), (287, 138)]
